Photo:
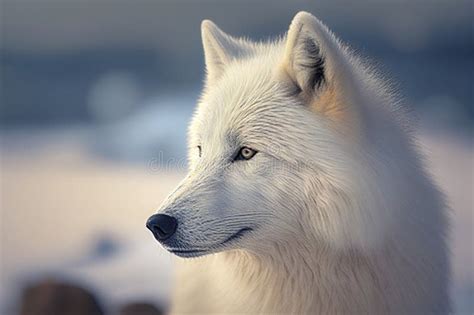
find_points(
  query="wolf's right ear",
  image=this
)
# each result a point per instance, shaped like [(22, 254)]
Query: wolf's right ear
[(220, 49), (313, 55), (321, 69)]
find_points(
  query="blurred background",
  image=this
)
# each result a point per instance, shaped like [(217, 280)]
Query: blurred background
[(95, 97)]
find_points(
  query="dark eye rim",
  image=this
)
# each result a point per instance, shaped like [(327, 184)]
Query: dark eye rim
[(240, 157), (200, 150)]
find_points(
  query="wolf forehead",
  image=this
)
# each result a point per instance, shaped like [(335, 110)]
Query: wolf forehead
[(252, 95)]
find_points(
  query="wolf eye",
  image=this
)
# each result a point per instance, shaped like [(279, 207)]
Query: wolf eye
[(245, 153), (200, 150)]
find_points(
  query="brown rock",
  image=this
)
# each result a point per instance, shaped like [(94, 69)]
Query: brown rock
[(139, 309), (55, 298)]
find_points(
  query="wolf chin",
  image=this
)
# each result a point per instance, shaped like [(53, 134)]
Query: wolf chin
[(305, 192)]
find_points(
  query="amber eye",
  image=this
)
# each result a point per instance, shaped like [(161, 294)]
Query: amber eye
[(245, 153)]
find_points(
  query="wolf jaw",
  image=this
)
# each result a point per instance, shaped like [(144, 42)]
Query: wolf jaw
[(187, 253)]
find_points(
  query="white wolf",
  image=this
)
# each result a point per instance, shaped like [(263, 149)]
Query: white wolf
[(304, 185)]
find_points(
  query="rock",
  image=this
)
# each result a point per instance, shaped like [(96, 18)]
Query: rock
[(50, 297), (141, 308)]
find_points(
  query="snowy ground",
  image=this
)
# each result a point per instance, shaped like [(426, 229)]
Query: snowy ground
[(67, 213)]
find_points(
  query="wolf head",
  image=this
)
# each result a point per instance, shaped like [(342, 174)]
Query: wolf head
[(274, 148)]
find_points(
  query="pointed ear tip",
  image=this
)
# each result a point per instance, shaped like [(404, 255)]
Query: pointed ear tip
[(304, 17), (302, 14), (207, 25)]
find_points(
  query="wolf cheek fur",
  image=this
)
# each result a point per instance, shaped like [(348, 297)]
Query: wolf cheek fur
[(340, 218)]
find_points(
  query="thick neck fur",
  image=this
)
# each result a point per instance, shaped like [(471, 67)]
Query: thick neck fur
[(315, 280), (303, 278)]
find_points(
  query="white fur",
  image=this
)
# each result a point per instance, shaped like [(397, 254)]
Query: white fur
[(344, 218)]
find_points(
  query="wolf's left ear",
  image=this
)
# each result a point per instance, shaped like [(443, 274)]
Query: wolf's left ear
[(220, 49), (312, 53)]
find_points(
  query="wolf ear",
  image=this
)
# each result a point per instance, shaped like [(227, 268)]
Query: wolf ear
[(322, 70), (312, 53), (220, 49)]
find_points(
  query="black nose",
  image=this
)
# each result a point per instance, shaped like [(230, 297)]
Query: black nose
[(162, 226)]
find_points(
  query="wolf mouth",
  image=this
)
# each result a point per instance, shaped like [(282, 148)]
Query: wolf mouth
[(200, 252)]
